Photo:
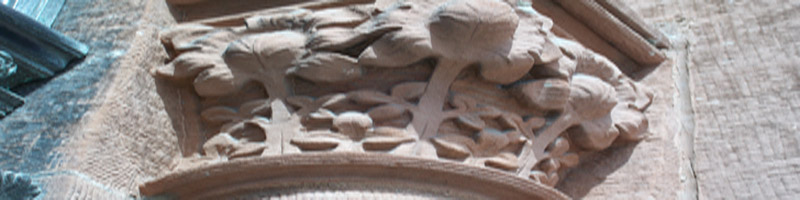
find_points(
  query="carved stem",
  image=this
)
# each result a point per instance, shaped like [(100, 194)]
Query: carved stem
[(566, 120), (429, 111), (276, 83), (281, 128)]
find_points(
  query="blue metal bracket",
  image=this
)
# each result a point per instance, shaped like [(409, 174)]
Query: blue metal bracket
[(29, 49)]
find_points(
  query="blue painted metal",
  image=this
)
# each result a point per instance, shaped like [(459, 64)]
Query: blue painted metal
[(43, 11), (36, 51)]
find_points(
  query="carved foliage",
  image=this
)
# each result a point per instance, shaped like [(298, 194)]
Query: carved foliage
[(510, 49), (356, 121)]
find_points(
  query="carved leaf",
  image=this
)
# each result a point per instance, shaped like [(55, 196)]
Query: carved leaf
[(492, 39), (248, 149), (327, 68), (560, 146), (219, 114), (276, 22), (281, 49), (187, 65), (490, 142), (325, 134), (549, 94), (472, 122), (332, 39), (185, 35), (550, 165), (384, 143), (253, 130), (231, 127), (550, 180), (322, 114), (644, 96), (315, 143), (486, 111), (508, 69), (338, 17), (471, 30), (353, 124), (630, 123), (260, 107), (387, 112), (505, 161), (564, 68), (592, 64), (559, 157), (299, 101), (463, 102), (368, 97), (536, 122), (398, 48), (334, 102), (596, 134), (337, 39), (591, 98), (452, 146), (409, 90), (569, 160), (389, 132), (550, 52), (510, 120), (219, 145), (263, 58), (215, 81)]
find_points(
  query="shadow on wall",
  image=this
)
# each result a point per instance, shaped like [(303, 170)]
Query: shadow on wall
[(594, 168)]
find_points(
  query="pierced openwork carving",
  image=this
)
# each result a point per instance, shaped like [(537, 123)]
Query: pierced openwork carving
[(481, 82)]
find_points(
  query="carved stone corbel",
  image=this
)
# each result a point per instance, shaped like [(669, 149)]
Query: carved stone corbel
[(485, 84)]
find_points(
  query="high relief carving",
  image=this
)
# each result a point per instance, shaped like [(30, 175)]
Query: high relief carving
[(478, 82)]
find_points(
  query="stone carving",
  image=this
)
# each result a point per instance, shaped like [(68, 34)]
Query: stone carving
[(481, 82)]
